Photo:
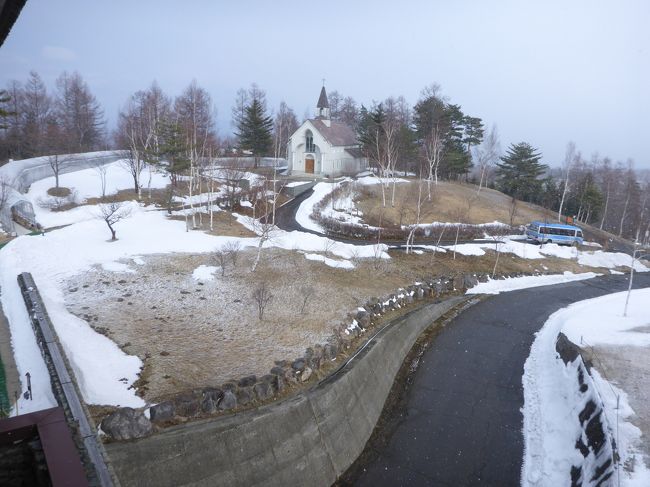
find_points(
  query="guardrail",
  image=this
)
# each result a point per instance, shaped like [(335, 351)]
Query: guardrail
[(63, 386)]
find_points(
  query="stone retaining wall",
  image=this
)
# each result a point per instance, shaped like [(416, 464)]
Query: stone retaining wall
[(308, 439), (595, 443), (287, 375)]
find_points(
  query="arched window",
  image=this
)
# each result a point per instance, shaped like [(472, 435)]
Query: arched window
[(309, 142)]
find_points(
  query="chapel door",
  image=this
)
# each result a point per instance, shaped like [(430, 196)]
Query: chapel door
[(309, 165)]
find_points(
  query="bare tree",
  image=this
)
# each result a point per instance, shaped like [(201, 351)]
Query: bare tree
[(220, 258), (414, 227), (112, 213), (487, 154), (569, 159), (78, 113), (55, 164), (196, 118), (262, 296), (306, 292), (100, 169), (231, 173), (232, 250)]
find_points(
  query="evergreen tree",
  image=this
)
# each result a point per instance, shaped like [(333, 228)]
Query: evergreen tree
[(255, 129), (455, 161), (173, 151), (4, 112), (519, 172)]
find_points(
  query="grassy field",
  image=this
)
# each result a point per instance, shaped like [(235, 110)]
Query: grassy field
[(193, 333), (450, 202)]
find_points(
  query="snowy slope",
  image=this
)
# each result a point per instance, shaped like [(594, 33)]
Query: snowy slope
[(551, 401)]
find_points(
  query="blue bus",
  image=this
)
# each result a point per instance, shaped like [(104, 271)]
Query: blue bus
[(557, 233)]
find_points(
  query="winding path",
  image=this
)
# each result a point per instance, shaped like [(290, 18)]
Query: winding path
[(462, 423), (285, 218)]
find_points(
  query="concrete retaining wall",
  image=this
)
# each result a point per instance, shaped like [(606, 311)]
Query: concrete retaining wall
[(22, 174), (309, 439)]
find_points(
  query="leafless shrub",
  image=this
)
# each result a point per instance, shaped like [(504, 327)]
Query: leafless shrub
[(262, 296), (328, 246), (232, 250), (220, 258), (112, 213), (306, 292)]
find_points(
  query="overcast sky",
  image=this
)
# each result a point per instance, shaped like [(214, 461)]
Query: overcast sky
[(544, 72)]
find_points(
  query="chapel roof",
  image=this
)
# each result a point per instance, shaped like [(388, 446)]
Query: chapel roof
[(337, 134)]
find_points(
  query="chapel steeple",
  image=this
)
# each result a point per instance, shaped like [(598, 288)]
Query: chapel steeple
[(323, 106)]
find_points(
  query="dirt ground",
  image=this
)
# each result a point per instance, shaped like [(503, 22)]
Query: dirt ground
[(450, 202), (628, 368), (192, 333)]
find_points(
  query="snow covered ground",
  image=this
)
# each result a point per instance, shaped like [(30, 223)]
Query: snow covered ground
[(85, 184), (598, 258), (551, 399), (104, 372), (498, 286)]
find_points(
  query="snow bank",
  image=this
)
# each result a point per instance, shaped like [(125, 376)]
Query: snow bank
[(303, 215), (551, 395), (521, 249), (601, 320), (515, 283)]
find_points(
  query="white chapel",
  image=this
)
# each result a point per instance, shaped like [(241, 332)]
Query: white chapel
[(325, 147)]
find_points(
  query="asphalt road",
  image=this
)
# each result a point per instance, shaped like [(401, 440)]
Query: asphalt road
[(285, 218), (462, 423)]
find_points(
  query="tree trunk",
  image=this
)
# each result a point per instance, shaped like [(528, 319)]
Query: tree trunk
[(602, 221)]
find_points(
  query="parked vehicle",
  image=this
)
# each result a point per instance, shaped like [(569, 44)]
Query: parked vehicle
[(557, 233)]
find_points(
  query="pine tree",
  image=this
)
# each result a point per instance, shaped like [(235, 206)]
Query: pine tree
[(4, 112), (254, 130), (519, 172)]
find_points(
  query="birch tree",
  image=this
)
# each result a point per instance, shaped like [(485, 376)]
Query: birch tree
[(487, 154), (569, 159), (195, 116)]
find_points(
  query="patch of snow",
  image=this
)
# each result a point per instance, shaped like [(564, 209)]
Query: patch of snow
[(339, 264), (514, 283), (309, 242), (466, 249), (610, 260), (370, 180), (117, 267), (615, 272), (204, 273), (295, 184)]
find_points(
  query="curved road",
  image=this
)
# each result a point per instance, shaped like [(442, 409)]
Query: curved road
[(285, 218), (462, 423)]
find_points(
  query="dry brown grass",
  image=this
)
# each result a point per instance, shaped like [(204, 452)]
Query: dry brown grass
[(224, 224), (192, 334), (451, 202)]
